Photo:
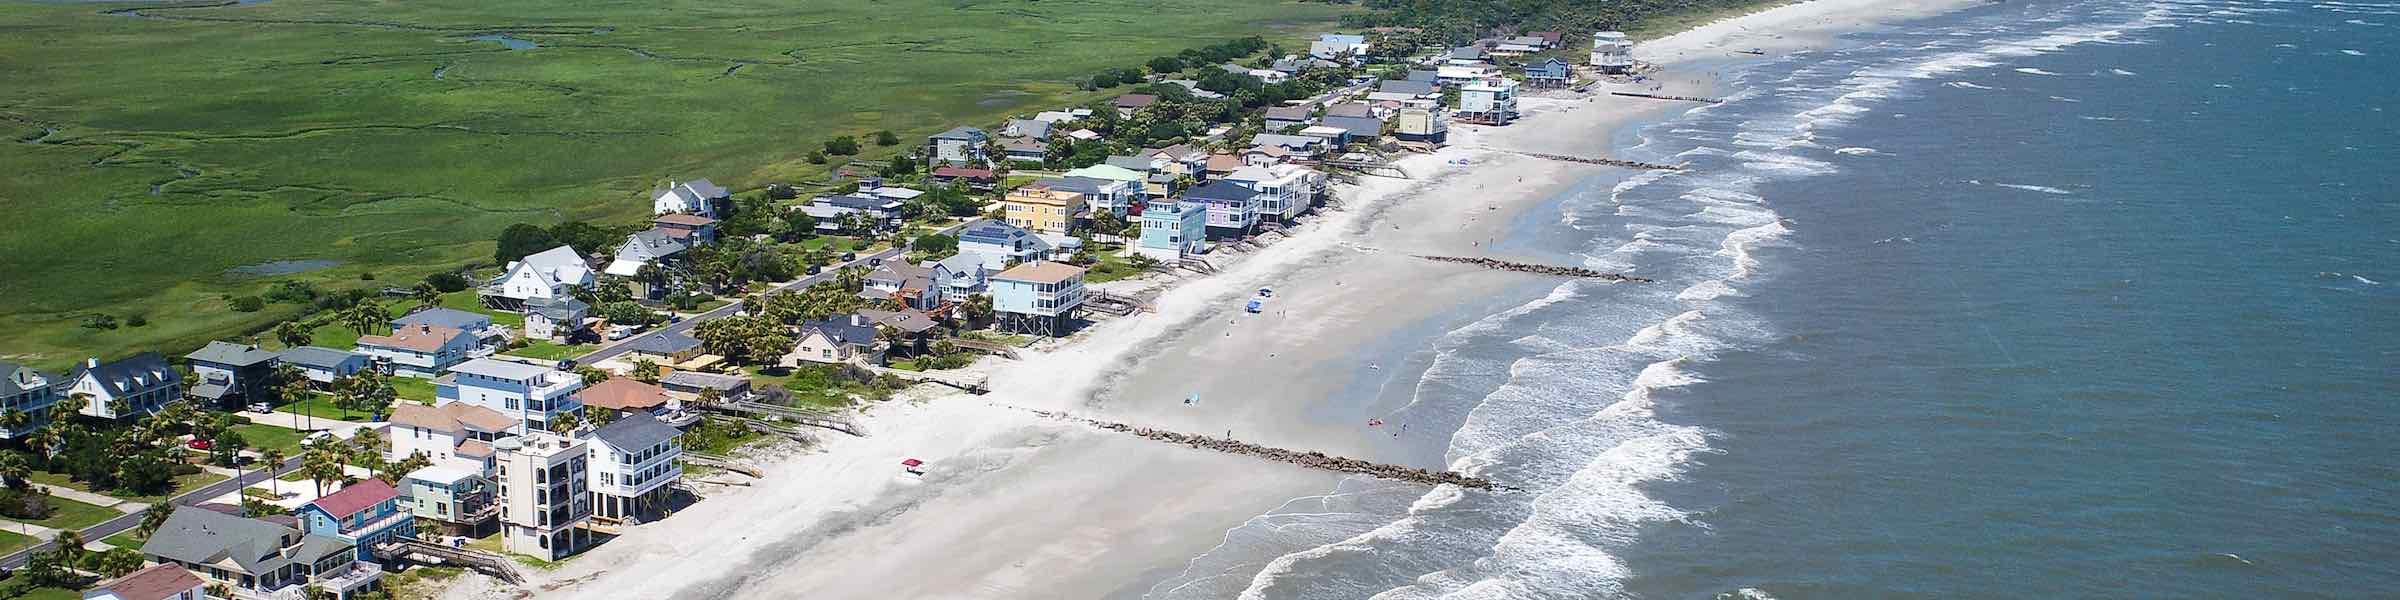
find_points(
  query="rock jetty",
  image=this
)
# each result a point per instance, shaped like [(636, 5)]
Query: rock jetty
[(1493, 263), (1313, 460)]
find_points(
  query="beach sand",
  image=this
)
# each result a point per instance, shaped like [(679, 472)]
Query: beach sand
[(1014, 505)]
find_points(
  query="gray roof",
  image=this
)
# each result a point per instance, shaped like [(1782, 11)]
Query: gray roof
[(659, 243), (1406, 86), (120, 376), (1286, 141), (445, 317), (1358, 126), (852, 329), (1220, 190), (664, 342), (1030, 128), (907, 275), (962, 263), (961, 132), (1424, 75), (706, 189), (1082, 185), (1290, 113), (207, 536), (1129, 162), (315, 356), (1234, 69), (696, 379), (635, 430), (559, 309), (229, 353), (8, 378), (907, 321), (860, 202), (1466, 53)]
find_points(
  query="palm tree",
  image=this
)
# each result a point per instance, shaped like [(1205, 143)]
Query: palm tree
[(69, 546), (119, 562), (645, 371), (564, 423), (14, 468), (292, 334), (50, 440), (366, 448), (852, 279), (154, 518), (367, 317), (75, 403), (120, 407), (426, 295), (708, 397), (293, 386), (322, 461), (13, 419), (978, 308), (428, 530), (274, 458)]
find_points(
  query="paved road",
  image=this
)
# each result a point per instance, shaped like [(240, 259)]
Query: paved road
[(130, 520)]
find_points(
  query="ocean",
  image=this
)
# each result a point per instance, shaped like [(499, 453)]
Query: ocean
[(2035, 299)]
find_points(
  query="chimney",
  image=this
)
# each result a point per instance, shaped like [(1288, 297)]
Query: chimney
[(91, 363)]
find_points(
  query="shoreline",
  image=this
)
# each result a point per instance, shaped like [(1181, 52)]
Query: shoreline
[(1014, 505)]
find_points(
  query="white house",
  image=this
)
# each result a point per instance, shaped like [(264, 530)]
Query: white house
[(646, 247), (532, 394), (961, 275), (1611, 52), (549, 274), (696, 197), (140, 384), (453, 433), (418, 350), (998, 244), (837, 339), (1488, 101), (634, 467), (543, 500), (322, 365), (1283, 190), (555, 319), (1336, 45)]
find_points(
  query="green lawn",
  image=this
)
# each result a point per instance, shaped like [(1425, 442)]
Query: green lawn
[(186, 158), (69, 514), (545, 350), (262, 437), (124, 539), (413, 388), (10, 541), (183, 483), (321, 406), (51, 593)]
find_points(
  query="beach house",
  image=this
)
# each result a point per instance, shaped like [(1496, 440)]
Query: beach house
[(164, 581), (1550, 73), (1286, 117), (1464, 56), (322, 365), (456, 496), (418, 351), (999, 245), (1232, 210), (629, 395), (558, 319), (544, 494), (545, 275), (1295, 147), (635, 462), (650, 247), (1488, 101), (848, 338), (363, 514), (1106, 188), (1129, 104), (1519, 46), (261, 559), (910, 285), (132, 387), (229, 375), (1283, 191), (1038, 298), (1611, 52), (29, 391), (981, 180), (450, 433), (663, 347), (696, 197), (475, 324), (690, 384), (533, 395), (1172, 229), (1421, 125), (1044, 208), (959, 146), (1339, 46), (692, 229)]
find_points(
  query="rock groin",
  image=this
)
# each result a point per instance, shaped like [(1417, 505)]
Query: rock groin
[(1493, 263), (1313, 460)]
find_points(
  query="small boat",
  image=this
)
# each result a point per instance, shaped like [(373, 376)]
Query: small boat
[(1752, 52)]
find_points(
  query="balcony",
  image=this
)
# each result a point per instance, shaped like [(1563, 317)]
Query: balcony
[(378, 525), (357, 574)]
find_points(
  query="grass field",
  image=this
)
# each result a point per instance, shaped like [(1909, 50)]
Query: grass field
[(183, 483), (263, 437), (320, 406), (10, 541), (69, 514), (155, 154)]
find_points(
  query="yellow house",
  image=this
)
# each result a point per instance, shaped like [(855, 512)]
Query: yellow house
[(1043, 209)]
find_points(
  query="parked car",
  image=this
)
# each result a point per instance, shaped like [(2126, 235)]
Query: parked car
[(198, 444), (849, 256), (813, 269), (261, 407)]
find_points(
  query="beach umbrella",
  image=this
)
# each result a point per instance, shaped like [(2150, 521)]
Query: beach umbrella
[(912, 463)]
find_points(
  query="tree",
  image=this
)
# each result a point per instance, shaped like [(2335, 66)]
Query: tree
[(153, 518), (273, 457), (292, 334), (851, 279), (564, 423), (322, 460), (367, 318), (816, 157), (1165, 64), (592, 375), (797, 226), (426, 295), (885, 138), (709, 397), (240, 304), (978, 308), (448, 281), (118, 562), (521, 240), (366, 448), (646, 371), (428, 530), (14, 468), (69, 546), (842, 145), (403, 467)]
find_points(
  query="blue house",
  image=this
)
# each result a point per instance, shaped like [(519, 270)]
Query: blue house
[(366, 513), (1039, 298), (1232, 209), (1172, 229), (1553, 73)]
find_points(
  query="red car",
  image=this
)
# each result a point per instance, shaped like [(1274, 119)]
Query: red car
[(198, 444)]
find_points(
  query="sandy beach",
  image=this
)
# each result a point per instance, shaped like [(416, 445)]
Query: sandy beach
[(1014, 505)]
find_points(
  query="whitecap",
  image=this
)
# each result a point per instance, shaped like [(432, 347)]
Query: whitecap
[(2033, 71), (1856, 151), (1968, 85), (2285, 46), (2122, 72), (2363, 279), (2064, 99), (2353, 52), (2093, 118), (2034, 188), (2363, 22)]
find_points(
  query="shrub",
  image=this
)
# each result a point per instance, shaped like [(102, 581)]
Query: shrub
[(100, 321), (31, 504), (780, 191), (243, 304), (366, 276), (291, 292), (859, 245), (816, 157), (885, 138), (841, 146), (136, 321), (448, 281)]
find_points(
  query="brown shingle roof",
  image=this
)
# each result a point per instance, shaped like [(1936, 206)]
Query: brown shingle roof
[(1136, 100), (154, 583), (474, 449), (453, 418), (478, 417), (1225, 163), (683, 219), (1041, 271), (421, 338), (623, 393)]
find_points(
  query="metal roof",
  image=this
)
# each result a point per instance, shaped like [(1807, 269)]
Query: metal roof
[(635, 430)]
